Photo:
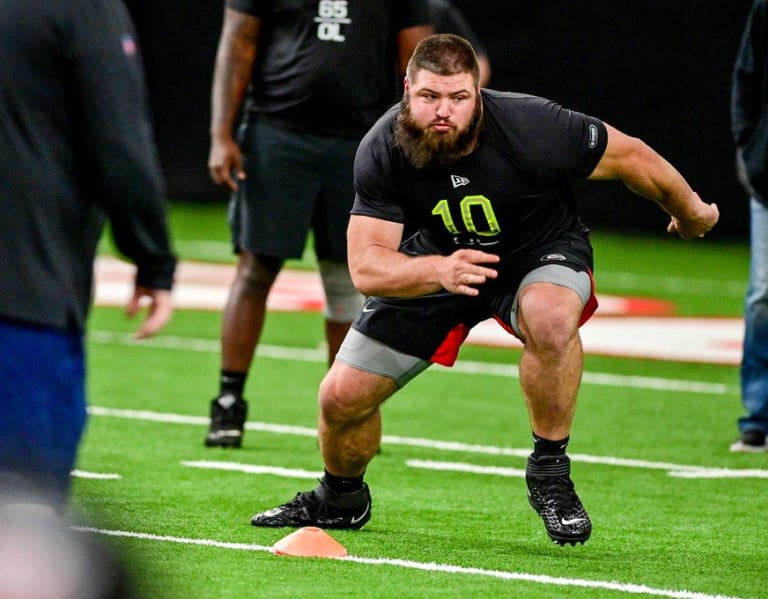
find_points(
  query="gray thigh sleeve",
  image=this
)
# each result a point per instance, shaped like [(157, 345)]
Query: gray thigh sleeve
[(580, 282), (364, 353), (342, 300)]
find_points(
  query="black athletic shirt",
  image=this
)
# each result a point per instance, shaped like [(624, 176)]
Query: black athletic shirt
[(512, 193), (329, 67), (76, 147)]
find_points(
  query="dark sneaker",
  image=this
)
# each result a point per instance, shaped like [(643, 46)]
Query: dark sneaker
[(228, 414), (320, 507), (551, 494), (751, 441)]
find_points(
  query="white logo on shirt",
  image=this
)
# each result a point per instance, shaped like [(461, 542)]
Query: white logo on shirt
[(331, 15), (459, 181), (592, 137)]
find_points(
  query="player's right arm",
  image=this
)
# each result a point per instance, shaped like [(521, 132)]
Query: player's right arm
[(378, 268), (235, 56)]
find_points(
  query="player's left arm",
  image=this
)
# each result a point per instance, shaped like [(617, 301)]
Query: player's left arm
[(648, 174)]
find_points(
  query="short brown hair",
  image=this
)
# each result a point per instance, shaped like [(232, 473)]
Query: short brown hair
[(444, 54)]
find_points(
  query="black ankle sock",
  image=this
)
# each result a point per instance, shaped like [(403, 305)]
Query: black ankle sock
[(233, 382), (339, 484), (543, 446)]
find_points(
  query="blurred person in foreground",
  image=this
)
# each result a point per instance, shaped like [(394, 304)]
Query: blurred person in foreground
[(447, 18), (76, 149), (310, 78), (749, 124), (48, 556), (485, 177)]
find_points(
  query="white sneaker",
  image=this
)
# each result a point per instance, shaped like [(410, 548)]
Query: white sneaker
[(751, 441)]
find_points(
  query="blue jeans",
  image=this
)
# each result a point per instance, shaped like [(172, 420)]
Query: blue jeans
[(42, 406), (754, 364)]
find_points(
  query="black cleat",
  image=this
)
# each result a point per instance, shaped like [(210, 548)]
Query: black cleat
[(228, 414), (551, 494), (320, 507)]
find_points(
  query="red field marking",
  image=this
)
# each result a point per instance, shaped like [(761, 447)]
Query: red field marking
[(622, 326)]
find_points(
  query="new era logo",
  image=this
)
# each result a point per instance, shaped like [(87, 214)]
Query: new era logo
[(457, 181)]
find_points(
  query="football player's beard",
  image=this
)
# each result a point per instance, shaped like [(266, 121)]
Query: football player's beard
[(424, 147)]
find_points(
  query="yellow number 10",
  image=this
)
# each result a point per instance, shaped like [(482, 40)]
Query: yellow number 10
[(491, 225)]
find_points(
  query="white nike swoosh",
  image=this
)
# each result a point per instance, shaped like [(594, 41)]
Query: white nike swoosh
[(363, 515), (569, 521), (368, 309)]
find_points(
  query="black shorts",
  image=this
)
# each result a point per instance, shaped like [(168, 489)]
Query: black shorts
[(294, 182), (432, 327)]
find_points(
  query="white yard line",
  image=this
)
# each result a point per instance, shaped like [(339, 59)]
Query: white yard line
[(461, 367), (95, 475), (450, 446), (675, 470), (630, 588), (252, 469)]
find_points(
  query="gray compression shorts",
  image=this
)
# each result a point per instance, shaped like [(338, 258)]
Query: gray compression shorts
[(373, 356)]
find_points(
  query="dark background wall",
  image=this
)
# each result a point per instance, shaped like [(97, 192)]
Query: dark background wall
[(657, 69)]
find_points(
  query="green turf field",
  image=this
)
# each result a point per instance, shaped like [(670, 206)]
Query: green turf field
[(674, 513)]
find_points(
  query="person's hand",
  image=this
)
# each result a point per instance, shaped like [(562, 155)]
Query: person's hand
[(225, 163), (462, 271), (698, 224), (160, 309)]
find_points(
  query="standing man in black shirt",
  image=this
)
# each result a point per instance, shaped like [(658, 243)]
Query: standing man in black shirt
[(76, 149), (485, 179), (310, 78)]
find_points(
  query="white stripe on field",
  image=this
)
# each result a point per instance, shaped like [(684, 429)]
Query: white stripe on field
[(461, 367), (461, 467), (634, 589), (672, 469), (251, 469), (95, 475), (719, 473), (283, 429)]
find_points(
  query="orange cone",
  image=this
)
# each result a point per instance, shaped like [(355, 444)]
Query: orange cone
[(309, 541)]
